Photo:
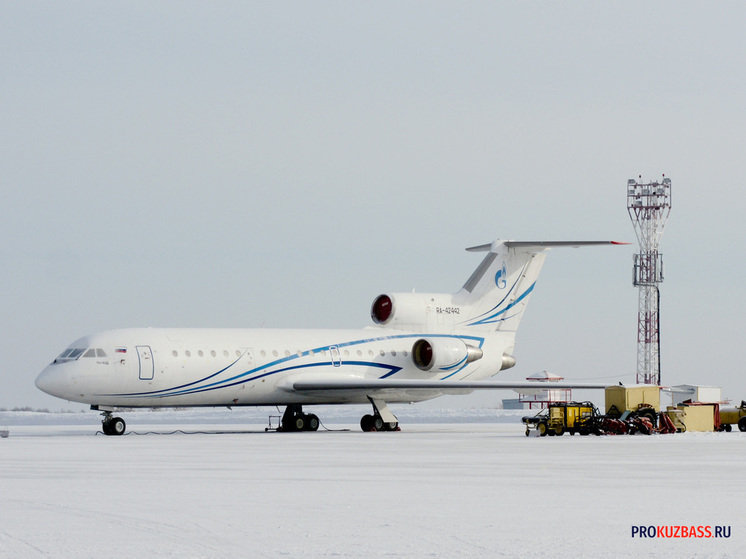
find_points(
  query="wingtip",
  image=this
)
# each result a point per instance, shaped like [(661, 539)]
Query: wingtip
[(479, 248)]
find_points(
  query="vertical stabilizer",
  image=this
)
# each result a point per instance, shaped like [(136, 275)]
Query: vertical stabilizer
[(497, 293)]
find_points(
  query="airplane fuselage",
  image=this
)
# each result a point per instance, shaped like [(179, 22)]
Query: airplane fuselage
[(153, 367)]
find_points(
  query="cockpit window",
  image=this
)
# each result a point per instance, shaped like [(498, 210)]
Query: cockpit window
[(73, 353)]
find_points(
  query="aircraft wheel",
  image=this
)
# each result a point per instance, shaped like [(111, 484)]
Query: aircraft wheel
[(299, 423), (391, 426), (377, 423), (118, 426), (312, 422), (742, 424), (114, 426), (366, 423)]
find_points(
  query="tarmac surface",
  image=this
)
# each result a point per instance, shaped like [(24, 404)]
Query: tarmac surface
[(446, 489)]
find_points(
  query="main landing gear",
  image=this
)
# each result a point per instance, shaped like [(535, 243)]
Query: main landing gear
[(381, 420), (112, 425), (295, 420), (375, 422)]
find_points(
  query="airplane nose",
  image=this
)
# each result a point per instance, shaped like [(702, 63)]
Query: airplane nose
[(50, 381)]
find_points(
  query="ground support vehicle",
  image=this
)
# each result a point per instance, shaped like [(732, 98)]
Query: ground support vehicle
[(564, 417), (641, 398), (584, 418), (733, 416), (641, 420)]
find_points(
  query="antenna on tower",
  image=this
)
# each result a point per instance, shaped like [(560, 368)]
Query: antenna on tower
[(649, 205)]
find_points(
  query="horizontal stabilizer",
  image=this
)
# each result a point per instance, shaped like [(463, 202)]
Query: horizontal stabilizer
[(543, 244)]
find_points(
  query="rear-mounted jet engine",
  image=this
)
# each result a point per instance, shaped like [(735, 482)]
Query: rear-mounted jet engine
[(443, 354)]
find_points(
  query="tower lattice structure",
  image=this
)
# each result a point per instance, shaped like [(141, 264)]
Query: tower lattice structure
[(649, 205)]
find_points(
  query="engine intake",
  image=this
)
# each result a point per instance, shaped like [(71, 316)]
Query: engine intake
[(443, 353), (382, 309), (414, 310)]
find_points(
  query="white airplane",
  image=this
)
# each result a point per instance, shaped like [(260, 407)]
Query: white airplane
[(421, 346)]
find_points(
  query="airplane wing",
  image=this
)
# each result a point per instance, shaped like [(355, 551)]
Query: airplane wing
[(442, 386)]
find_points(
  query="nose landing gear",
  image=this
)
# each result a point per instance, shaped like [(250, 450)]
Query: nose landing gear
[(112, 425)]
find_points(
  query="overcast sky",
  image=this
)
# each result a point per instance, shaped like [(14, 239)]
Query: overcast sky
[(272, 164)]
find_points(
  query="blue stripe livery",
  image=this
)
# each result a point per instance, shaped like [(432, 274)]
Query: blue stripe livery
[(284, 365)]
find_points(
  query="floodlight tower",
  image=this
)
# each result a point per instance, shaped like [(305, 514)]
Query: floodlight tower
[(649, 205)]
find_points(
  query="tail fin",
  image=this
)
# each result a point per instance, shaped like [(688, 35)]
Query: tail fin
[(497, 293)]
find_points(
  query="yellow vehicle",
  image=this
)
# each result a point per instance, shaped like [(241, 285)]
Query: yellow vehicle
[(620, 399), (561, 417), (733, 416)]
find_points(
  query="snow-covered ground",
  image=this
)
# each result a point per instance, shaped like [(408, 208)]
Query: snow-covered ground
[(453, 483)]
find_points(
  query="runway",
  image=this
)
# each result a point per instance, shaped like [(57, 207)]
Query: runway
[(445, 489)]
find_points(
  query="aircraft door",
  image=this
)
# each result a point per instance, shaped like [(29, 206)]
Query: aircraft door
[(336, 356), (145, 357)]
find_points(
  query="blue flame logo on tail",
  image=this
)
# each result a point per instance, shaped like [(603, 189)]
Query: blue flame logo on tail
[(501, 279)]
